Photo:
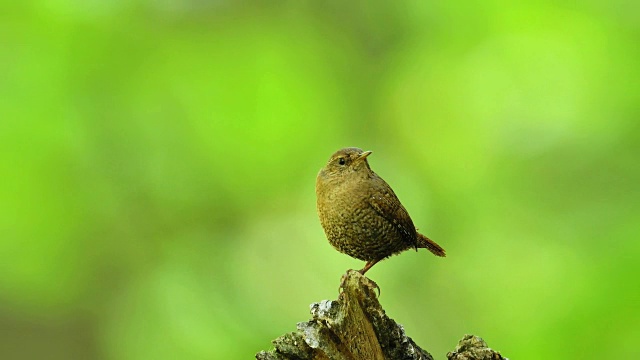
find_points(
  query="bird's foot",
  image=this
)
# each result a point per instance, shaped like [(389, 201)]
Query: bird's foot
[(375, 285), (343, 280), (344, 277)]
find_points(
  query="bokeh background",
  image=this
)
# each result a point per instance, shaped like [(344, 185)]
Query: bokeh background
[(158, 163)]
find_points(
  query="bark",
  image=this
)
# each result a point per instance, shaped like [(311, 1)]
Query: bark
[(356, 327)]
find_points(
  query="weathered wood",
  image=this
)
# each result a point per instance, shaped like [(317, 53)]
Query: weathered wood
[(355, 327), (472, 347)]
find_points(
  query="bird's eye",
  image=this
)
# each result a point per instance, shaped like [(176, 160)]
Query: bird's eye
[(342, 161)]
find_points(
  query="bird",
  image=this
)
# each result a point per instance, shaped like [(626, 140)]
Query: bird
[(361, 215)]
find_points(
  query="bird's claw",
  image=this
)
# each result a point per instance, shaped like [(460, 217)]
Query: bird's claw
[(375, 285), (343, 280)]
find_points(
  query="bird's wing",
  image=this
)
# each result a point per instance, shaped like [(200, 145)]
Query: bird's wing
[(385, 202)]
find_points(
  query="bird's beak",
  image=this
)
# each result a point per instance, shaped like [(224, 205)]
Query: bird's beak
[(364, 155)]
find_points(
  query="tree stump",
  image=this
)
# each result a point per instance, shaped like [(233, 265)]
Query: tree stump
[(356, 327)]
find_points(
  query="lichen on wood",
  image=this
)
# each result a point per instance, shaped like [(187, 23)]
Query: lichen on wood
[(473, 347), (355, 327)]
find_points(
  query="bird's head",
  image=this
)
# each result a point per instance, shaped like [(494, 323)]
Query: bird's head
[(347, 162)]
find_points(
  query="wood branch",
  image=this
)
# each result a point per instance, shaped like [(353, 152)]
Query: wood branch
[(356, 327), (472, 347)]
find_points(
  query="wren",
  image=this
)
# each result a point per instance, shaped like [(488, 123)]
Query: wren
[(361, 215)]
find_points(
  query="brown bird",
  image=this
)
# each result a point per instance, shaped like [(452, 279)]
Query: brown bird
[(361, 216)]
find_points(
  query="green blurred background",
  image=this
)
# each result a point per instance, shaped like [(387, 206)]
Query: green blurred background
[(158, 163)]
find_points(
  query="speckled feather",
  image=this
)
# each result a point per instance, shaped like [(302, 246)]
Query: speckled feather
[(361, 215)]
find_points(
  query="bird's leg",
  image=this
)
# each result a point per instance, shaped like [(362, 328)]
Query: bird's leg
[(368, 266)]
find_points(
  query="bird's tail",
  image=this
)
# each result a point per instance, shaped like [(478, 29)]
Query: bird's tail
[(425, 242)]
